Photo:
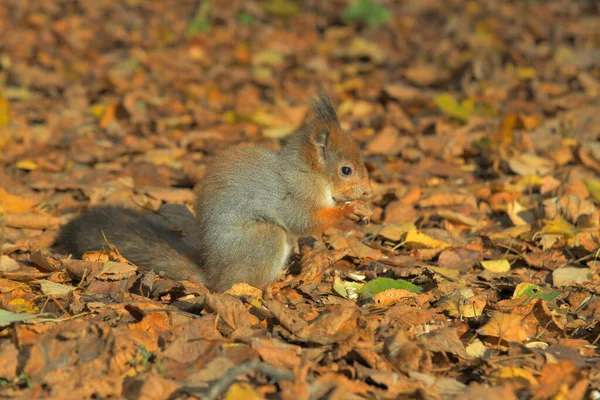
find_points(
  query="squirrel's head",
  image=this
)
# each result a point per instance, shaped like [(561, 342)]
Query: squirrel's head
[(336, 154)]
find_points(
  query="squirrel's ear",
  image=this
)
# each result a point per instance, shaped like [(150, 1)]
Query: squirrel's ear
[(320, 139)]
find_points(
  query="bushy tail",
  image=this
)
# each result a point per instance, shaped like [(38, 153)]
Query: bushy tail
[(147, 241)]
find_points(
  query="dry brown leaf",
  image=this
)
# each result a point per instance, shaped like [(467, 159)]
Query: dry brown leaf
[(508, 327), (30, 220)]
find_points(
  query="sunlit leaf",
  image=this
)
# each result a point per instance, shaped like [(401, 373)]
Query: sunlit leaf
[(417, 237), (559, 226), (27, 165), (496, 266)]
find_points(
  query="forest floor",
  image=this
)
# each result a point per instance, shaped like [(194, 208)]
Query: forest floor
[(480, 125)]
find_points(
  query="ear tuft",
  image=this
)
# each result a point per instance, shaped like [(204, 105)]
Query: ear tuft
[(323, 108)]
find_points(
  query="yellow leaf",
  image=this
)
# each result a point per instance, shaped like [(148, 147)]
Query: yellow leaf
[(242, 391), (278, 132), (559, 226), (530, 181), (347, 289), (27, 165), (4, 109), (415, 236), (496, 266), (263, 118), (451, 107), (243, 289), (11, 203), (525, 73), (522, 287), (97, 110), (519, 215), (450, 273), (516, 373), (270, 58), (22, 306)]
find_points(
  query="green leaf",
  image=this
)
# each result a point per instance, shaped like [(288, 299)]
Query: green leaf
[(367, 12), (198, 25), (245, 18), (201, 20), (547, 296), (379, 285), (7, 317)]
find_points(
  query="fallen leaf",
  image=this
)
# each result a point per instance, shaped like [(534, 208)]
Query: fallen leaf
[(7, 264), (417, 237), (243, 289), (242, 391), (476, 349), (533, 291), (594, 187), (508, 327), (530, 164), (515, 373), (114, 271), (452, 108), (50, 288), (496, 266), (558, 226), (391, 296), (7, 317), (571, 276), (381, 284), (27, 165), (14, 204), (347, 289)]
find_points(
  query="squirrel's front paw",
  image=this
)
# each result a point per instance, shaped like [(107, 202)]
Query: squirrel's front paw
[(358, 211)]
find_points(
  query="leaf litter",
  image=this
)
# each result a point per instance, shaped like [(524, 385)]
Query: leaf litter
[(477, 279)]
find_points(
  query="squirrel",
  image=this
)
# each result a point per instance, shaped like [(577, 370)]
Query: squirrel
[(252, 205)]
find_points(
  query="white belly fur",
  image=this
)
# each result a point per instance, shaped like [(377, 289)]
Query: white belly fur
[(287, 249)]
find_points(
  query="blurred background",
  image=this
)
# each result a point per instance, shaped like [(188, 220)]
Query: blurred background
[(91, 90)]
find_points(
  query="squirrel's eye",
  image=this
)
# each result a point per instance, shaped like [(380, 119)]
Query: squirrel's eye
[(346, 170)]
